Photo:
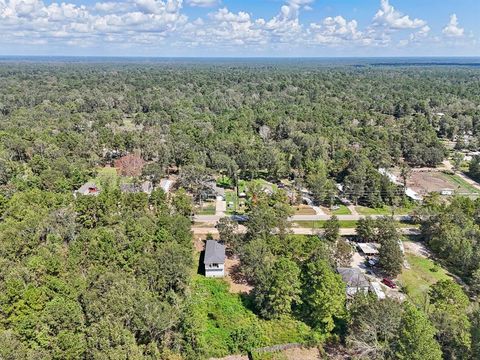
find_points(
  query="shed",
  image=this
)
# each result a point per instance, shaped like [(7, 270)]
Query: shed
[(214, 260), (368, 249)]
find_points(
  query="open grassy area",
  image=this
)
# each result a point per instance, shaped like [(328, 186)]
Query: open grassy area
[(106, 176), (422, 274), (461, 184), (225, 324), (342, 210), (386, 210), (346, 224), (208, 209), (303, 210)]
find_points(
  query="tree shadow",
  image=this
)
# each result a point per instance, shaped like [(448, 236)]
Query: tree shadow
[(201, 265)]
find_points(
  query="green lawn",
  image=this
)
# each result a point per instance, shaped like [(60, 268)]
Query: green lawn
[(106, 176), (231, 196), (386, 210), (461, 184), (342, 210), (346, 224), (208, 209), (225, 325), (422, 274)]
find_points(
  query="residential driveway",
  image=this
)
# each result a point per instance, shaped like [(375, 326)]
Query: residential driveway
[(353, 210), (318, 210), (220, 207)]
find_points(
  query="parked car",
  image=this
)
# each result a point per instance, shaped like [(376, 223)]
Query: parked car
[(240, 218), (389, 283)]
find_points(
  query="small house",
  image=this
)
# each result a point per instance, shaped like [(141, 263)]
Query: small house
[(214, 260), (88, 188), (355, 280)]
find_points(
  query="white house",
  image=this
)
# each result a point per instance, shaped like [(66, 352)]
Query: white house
[(214, 260)]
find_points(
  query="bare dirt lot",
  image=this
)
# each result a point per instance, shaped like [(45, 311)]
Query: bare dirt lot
[(424, 182), (235, 278)]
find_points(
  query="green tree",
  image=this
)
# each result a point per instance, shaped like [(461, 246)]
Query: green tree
[(332, 229), (366, 229), (416, 337), (182, 203), (323, 295), (449, 315), (391, 256), (227, 230), (275, 296), (457, 160)]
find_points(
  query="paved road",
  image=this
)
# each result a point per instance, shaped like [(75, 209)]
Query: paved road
[(299, 231), (215, 218)]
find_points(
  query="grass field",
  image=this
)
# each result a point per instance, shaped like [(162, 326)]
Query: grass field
[(462, 185), (106, 176), (342, 210), (386, 210), (208, 209), (422, 274), (224, 323)]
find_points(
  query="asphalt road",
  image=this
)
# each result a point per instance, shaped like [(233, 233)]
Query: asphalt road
[(215, 218), (298, 231)]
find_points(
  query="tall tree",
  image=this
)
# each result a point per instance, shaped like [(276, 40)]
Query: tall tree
[(416, 337), (323, 295), (449, 315), (281, 289)]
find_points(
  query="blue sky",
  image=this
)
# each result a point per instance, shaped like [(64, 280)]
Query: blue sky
[(321, 28)]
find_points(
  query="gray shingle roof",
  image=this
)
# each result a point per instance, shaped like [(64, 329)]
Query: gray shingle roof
[(353, 277), (214, 252)]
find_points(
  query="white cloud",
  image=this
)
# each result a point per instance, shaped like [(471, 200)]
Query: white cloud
[(225, 15), (203, 3), (453, 29), (163, 24), (335, 30), (388, 16)]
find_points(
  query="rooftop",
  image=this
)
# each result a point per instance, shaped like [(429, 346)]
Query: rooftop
[(353, 277), (214, 252), (368, 248)]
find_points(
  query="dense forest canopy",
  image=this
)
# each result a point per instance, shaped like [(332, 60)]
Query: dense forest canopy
[(113, 276)]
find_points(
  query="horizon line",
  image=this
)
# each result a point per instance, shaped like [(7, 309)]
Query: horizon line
[(248, 57)]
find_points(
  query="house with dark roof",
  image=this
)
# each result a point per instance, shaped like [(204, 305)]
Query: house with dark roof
[(355, 280), (214, 260)]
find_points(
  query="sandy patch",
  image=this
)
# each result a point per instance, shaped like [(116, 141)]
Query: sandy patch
[(426, 182), (235, 278)]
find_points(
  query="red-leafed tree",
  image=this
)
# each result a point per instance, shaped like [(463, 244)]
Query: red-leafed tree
[(129, 165)]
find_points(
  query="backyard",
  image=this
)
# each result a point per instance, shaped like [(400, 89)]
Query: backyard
[(421, 274), (225, 324)]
